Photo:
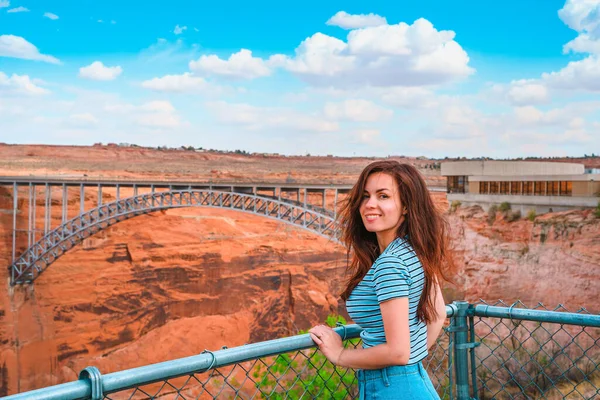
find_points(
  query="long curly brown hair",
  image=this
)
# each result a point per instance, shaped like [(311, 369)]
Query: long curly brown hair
[(424, 226)]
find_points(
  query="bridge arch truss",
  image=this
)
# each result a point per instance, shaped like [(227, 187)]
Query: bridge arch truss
[(27, 267)]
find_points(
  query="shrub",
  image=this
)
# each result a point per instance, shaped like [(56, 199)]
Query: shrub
[(504, 206), (455, 204), (317, 376), (492, 214), (531, 215), (513, 216), (597, 211)]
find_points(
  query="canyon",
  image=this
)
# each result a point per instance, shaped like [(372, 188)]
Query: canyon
[(173, 283)]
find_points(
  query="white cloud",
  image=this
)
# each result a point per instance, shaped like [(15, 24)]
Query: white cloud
[(296, 97), (530, 115), (461, 147), (48, 119), (186, 83), (161, 106), (408, 97), (577, 75), (19, 84), (582, 16), (82, 120), (354, 21), (582, 44), (399, 55), (367, 136), (239, 65), (4, 3), (554, 127), (269, 118), (177, 83), (566, 117), (168, 53), (51, 15), (153, 114), (162, 120), (457, 128), (18, 10), (357, 110), (179, 29), (319, 55), (385, 55), (18, 47), (523, 92), (405, 97), (461, 121), (99, 72)]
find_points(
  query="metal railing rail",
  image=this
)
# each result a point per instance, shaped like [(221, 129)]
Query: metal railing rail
[(487, 351), (518, 352), (92, 384)]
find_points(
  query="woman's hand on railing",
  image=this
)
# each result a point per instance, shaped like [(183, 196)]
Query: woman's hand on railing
[(329, 342)]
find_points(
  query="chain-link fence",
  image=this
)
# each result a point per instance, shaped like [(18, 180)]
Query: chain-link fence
[(488, 351), (521, 359), (297, 375)]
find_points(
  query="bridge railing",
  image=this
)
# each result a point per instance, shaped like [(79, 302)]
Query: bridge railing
[(486, 352)]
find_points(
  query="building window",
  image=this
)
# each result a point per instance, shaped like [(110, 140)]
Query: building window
[(515, 188), (504, 187), (493, 187), (484, 187), (539, 188), (552, 189), (527, 188), (566, 188), (457, 184)]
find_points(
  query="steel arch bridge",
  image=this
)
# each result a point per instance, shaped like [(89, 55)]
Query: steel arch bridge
[(58, 241)]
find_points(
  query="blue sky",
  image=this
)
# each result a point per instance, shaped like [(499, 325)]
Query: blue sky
[(434, 78)]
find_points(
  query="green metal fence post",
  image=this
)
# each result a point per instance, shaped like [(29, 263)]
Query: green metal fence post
[(473, 345), (461, 345)]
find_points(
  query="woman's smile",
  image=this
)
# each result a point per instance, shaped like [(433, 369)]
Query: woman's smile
[(381, 207)]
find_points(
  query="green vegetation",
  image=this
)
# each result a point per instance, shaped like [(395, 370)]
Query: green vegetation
[(531, 215), (597, 211), (492, 214), (504, 206), (319, 378), (455, 204), (505, 209)]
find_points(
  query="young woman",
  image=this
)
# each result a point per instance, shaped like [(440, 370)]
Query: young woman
[(399, 248)]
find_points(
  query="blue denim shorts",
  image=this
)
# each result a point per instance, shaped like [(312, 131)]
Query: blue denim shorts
[(397, 382)]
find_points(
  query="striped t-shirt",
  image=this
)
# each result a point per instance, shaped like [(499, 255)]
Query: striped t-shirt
[(397, 272)]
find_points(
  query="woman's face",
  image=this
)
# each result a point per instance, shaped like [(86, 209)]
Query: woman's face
[(381, 210)]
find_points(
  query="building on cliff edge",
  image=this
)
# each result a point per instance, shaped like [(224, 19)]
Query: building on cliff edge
[(526, 185)]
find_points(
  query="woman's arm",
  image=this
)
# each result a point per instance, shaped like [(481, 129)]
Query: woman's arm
[(434, 327), (395, 352)]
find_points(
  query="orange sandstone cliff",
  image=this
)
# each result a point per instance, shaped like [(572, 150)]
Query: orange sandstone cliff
[(171, 284)]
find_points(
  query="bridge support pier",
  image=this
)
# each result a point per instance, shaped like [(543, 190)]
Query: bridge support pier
[(15, 209)]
